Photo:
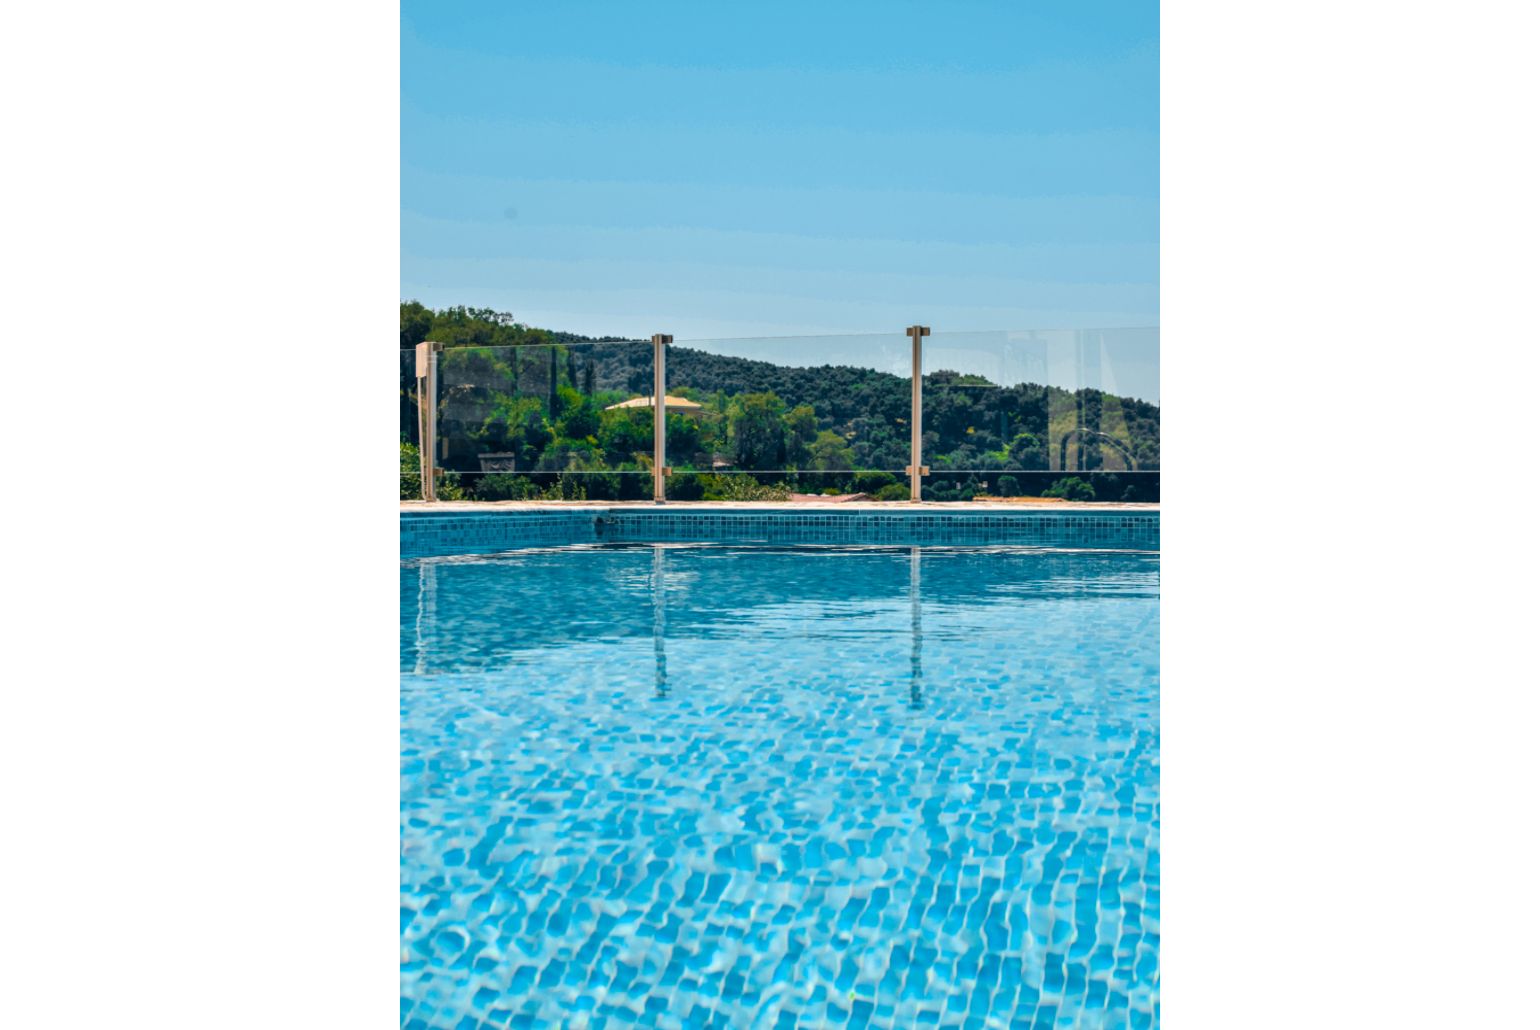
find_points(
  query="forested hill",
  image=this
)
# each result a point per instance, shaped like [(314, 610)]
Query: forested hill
[(833, 416)]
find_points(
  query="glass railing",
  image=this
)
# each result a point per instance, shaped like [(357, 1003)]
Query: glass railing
[(411, 486), (545, 422), (767, 418), (1072, 414)]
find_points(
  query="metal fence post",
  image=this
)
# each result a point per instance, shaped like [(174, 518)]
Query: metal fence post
[(916, 402), (660, 470), (427, 414)]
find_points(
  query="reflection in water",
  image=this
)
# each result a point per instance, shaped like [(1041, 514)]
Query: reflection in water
[(916, 676), (488, 612), (659, 619), (658, 584), (427, 611)]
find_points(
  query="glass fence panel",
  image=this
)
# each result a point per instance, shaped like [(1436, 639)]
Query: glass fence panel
[(569, 421), (1042, 413), (411, 478), (768, 418)]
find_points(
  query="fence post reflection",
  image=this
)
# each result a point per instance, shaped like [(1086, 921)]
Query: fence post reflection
[(916, 673), (427, 611), (659, 620)]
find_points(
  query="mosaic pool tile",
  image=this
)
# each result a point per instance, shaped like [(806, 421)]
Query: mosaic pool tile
[(436, 534), (780, 786), (425, 534)]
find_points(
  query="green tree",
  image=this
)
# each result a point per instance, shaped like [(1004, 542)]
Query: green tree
[(684, 436), (755, 430), (1026, 452), (580, 417), (801, 431), (624, 434), (416, 320), (831, 453)]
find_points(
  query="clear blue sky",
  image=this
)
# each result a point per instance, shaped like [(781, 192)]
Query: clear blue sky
[(726, 169)]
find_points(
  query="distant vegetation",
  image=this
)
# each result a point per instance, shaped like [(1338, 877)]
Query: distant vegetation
[(537, 407)]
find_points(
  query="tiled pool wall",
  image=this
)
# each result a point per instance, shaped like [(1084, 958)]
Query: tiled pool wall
[(428, 534)]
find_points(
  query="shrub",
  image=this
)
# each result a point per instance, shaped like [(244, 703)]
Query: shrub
[(566, 488), (1106, 486), (870, 482), (1071, 488), (504, 486), (411, 473), (449, 488), (686, 486), (743, 488), (893, 492), (1008, 487)]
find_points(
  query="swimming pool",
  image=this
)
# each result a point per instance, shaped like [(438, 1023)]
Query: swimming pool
[(769, 785)]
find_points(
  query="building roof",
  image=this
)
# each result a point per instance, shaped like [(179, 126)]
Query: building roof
[(669, 404)]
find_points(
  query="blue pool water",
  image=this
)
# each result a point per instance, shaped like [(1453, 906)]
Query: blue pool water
[(676, 785)]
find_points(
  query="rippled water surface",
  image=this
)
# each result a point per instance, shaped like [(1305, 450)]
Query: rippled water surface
[(673, 785)]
